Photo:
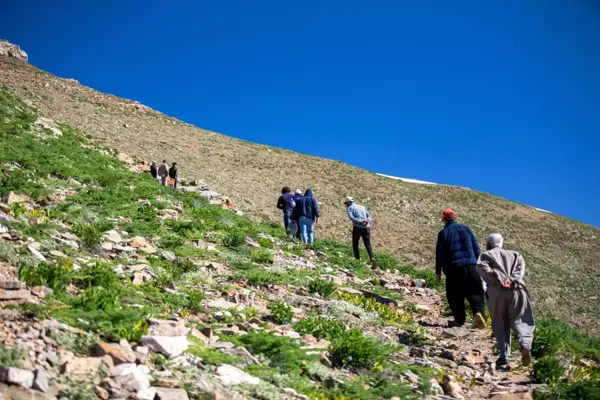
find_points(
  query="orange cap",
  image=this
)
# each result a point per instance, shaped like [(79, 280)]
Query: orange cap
[(448, 214)]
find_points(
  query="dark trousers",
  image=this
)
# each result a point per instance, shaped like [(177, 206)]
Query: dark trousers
[(365, 234), (464, 283)]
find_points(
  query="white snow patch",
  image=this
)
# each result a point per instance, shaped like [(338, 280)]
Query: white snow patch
[(542, 210), (409, 180)]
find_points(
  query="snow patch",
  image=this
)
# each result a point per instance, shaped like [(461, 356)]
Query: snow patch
[(408, 180)]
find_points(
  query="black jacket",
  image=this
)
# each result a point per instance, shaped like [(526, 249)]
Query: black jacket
[(456, 246)]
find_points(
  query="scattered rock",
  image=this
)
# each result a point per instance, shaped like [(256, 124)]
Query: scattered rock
[(140, 277), (455, 332), (113, 236), (142, 244), (147, 394), (418, 352), (222, 304), (168, 346), (452, 388), (17, 376), (166, 327), (131, 377), (79, 367), (435, 387), (513, 396), (119, 355), (169, 255), (35, 252), (231, 375), (57, 254), (101, 393), (12, 284), (20, 294), (171, 394), (40, 381), (8, 49), (48, 124)]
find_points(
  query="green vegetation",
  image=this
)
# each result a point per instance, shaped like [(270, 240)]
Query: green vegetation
[(8, 254), (320, 327), (9, 357), (55, 276), (322, 287), (261, 256), (548, 370), (280, 313), (354, 349), (91, 234)]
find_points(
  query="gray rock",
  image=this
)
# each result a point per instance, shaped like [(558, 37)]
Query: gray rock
[(12, 284), (21, 294), (35, 252), (166, 327), (41, 380), (169, 255), (131, 377), (222, 304), (17, 376), (171, 394), (230, 375), (455, 332), (168, 346)]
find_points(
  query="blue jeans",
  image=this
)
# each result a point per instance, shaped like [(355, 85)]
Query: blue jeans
[(287, 219), (307, 229)]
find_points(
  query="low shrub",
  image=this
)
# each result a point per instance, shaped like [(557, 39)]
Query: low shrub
[(581, 390), (282, 352), (55, 276), (171, 242), (97, 298), (9, 357), (266, 242), (353, 349), (233, 239), (91, 234), (8, 254), (320, 327), (280, 313), (322, 287), (552, 335), (548, 370), (261, 256), (76, 343)]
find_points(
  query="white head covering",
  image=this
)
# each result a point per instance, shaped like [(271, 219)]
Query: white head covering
[(298, 191), (495, 240), (348, 199)]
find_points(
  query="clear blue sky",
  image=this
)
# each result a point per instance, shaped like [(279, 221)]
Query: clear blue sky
[(499, 96)]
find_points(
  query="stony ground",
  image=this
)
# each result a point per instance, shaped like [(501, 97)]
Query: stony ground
[(406, 215)]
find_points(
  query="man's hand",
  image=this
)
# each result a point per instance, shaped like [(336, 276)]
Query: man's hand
[(365, 223), (507, 284), (438, 277)]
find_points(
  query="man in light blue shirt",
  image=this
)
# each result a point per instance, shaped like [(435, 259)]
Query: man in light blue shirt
[(361, 221)]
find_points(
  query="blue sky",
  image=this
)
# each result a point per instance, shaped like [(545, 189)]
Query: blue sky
[(498, 96)]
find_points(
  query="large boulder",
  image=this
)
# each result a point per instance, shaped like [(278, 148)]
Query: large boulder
[(168, 346), (230, 375)]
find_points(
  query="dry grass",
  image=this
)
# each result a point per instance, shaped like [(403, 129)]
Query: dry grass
[(564, 271)]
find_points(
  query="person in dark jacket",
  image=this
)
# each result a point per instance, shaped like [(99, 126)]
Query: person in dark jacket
[(457, 252), (163, 172), (286, 203), (295, 223), (174, 174), (154, 170), (307, 213)]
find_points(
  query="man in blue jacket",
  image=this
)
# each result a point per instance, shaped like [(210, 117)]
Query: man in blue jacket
[(286, 203), (306, 213), (457, 252)]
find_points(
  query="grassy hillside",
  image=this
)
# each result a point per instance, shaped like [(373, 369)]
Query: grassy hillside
[(560, 253), (301, 323)]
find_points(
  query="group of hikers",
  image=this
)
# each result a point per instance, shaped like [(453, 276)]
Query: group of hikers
[(495, 275), (162, 172), (301, 214)]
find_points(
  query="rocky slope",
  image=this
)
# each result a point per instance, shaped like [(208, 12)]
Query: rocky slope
[(114, 287), (558, 251)]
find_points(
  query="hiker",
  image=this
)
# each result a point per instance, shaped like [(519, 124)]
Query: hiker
[(306, 213), (508, 299), (173, 174), (295, 228), (456, 254), (286, 203), (361, 221), (163, 172), (153, 170)]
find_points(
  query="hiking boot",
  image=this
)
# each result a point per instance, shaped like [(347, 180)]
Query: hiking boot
[(453, 323), (525, 357), (479, 321), (502, 364)]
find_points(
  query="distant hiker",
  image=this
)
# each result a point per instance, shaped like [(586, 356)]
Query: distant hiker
[(296, 224), (456, 253), (163, 172), (286, 203), (153, 170), (173, 175), (508, 298), (361, 221), (306, 213)]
